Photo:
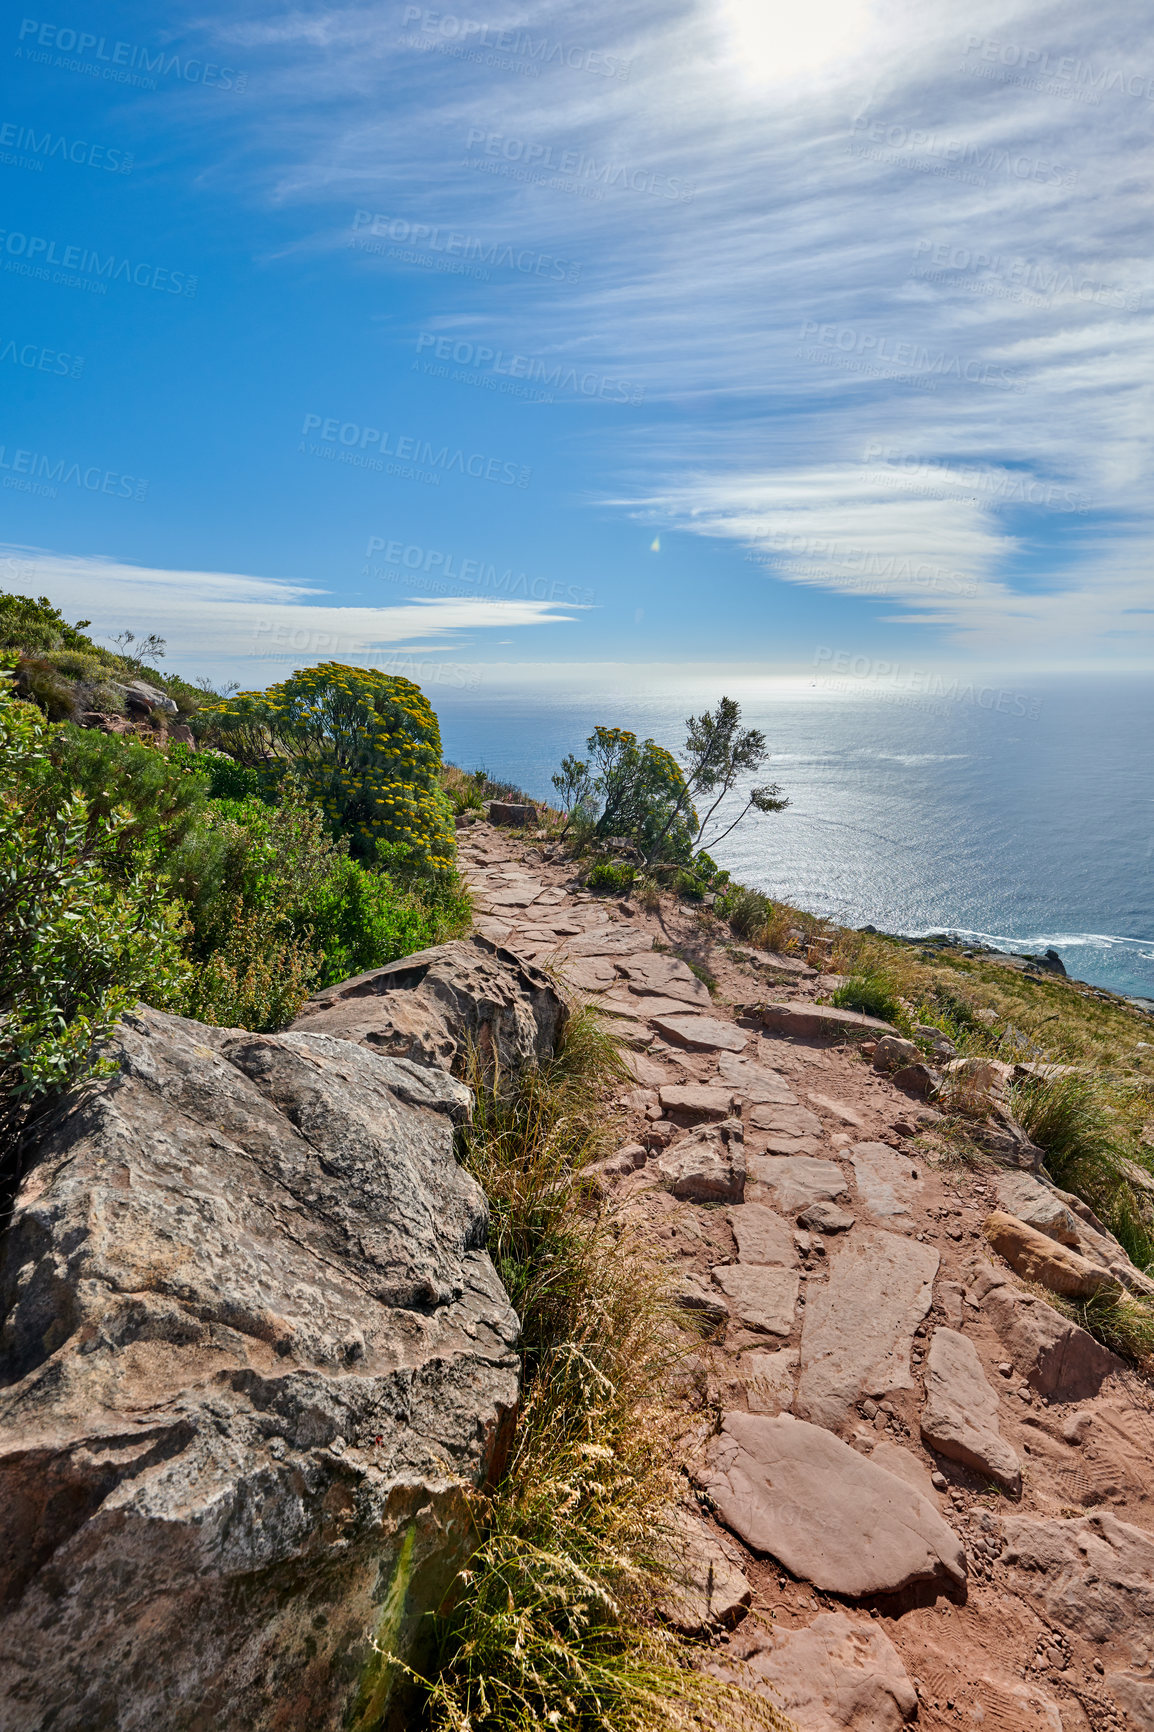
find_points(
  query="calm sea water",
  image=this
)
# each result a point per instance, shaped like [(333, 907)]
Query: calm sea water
[(1020, 830)]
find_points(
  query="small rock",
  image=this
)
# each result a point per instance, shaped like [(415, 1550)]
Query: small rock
[(696, 1104), (917, 1079), (763, 1297), (706, 1167), (762, 1236), (892, 1051), (692, 1295), (705, 1590), (826, 1217), (938, 1480), (960, 1420)]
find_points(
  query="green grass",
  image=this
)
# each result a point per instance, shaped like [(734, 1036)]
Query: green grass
[(614, 877), (556, 1623), (872, 994)]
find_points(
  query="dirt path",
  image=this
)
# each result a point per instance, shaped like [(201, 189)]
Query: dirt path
[(819, 1225)]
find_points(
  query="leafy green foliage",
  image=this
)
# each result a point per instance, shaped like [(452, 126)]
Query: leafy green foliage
[(872, 994), (747, 911), (613, 876), (365, 746), (82, 939), (31, 625)]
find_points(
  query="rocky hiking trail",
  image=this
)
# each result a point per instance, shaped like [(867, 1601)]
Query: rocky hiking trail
[(915, 1490)]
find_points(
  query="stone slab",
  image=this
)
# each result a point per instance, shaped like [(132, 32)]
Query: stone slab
[(837, 1675), (885, 1180), (763, 1297), (701, 1033), (755, 1082), (798, 1493), (859, 1324), (820, 1020), (792, 1121), (960, 1420), (762, 1236), (797, 1180), (768, 1379)]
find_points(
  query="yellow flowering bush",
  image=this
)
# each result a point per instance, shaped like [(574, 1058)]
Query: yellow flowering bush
[(365, 745)]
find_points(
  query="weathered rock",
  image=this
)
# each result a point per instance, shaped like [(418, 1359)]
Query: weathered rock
[(762, 1236), (706, 1167), (785, 1121), (609, 941), (706, 1591), (591, 973), (797, 1180), (838, 1675), (809, 1020), (1041, 1259), (892, 1051), (1004, 1140), (666, 976), (701, 1033), (521, 817), (254, 1354), (859, 1324), (520, 894), (1058, 1358), (768, 1379), (755, 1082), (431, 1006), (1094, 1574), (762, 1296), (839, 1110), (960, 1420), (826, 1218), (693, 1103), (828, 1514), (918, 1080), (885, 1179), (1039, 1205)]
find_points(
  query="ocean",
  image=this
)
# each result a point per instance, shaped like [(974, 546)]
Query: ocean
[(1022, 819)]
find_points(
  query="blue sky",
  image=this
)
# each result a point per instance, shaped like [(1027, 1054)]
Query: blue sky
[(598, 343)]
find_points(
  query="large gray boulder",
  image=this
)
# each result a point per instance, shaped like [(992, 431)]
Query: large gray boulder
[(253, 1357), (431, 1006)]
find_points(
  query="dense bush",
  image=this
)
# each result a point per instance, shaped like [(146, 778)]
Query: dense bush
[(872, 994), (365, 746), (83, 937), (614, 876)]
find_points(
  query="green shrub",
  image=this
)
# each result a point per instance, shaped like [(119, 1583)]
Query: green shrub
[(37, 626), (615, 877), (689, 885), (872, 994), (363, 744), (81, 939), (747, 911)]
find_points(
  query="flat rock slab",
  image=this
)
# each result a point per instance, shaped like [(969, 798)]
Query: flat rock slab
[(513, 896), (785, 1121), (1039, 1205), (760, 1296), (1095, 1574), (905, 1464), (859, 1324), (797, 1180), (839, 1110), (885, 1180), (762, 1236), (623, 1004), (667, 975), (591, 973), (960, 1420), (696, 1102), (768, 1379), (708, 1167), (810, 1020), (610, 941), (701, 1033), (755, 1082), (838, 1675), (826, 1218), (803, 1496)]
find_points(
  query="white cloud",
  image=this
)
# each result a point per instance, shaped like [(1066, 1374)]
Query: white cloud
[(231, 625)]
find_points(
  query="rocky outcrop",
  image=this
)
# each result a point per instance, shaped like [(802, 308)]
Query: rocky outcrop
[(254, 1355), (1039, 1258), (432, 1006)]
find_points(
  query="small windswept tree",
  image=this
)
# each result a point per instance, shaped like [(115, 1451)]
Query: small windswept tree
[(718, 753)]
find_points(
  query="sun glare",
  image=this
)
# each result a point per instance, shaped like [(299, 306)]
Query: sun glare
[(776, 39)]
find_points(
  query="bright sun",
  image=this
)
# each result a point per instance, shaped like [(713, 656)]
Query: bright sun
[(775, 39)]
